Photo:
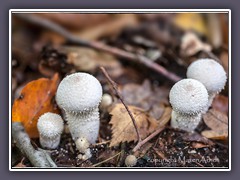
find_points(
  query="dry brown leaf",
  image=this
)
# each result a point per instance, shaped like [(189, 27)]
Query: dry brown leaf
[(220, 103), (36, 98), (85, 59), (151, 99), (165, 118), (122, 125), (218, 135), (218, 122), (198, 145)]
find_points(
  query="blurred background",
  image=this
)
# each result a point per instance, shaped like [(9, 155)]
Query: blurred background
[(172, 40)]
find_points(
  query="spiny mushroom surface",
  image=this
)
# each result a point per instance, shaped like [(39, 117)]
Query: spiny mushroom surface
[(130, 161), (188, 98), (211, 74), (50, 127), (79, 95)]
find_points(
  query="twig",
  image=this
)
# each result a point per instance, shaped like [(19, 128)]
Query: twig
[(140, 144), (213, 56), (38, 158), (98, 46), (161, 126), (114, 85), (107, 159)]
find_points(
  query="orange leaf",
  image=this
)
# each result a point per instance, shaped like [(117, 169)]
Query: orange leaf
[(36, 98)]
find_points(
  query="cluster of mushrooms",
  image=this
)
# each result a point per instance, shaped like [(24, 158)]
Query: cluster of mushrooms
[(192, 97), (79, 94)]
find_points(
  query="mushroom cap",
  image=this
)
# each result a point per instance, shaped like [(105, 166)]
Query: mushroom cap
[(50, 125), (188, 96), (79, 92), (210, 73)]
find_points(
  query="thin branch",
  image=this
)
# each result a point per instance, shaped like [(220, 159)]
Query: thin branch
[(114, 85), (107, 159), (140, 144), (98, 46), (38, 158)]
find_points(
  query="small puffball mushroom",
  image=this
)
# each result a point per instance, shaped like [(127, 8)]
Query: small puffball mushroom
[(106, 101), (50, 127), (82, 145), (211, 74), (130, 161), (188, 98), (79, 95)]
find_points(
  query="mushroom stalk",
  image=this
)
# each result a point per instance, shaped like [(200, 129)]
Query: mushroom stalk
[(84, 124), (185, 122)]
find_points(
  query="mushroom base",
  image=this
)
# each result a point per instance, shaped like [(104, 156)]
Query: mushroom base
[(50, 143), (185, 121), (84, 125)]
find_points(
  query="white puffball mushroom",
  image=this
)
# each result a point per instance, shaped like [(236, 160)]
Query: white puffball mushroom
[(82, 145), (50, 127), (106, 101), (211, 74), (130, 161), (79, 95), (188, 98)]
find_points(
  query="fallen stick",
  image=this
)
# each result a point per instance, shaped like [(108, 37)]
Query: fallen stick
[(119, 96), (39, 157), (98, 45)]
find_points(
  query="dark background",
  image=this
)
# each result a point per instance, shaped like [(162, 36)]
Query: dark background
[(137, 4)]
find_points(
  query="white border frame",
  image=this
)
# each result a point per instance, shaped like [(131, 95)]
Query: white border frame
[(119, 11)]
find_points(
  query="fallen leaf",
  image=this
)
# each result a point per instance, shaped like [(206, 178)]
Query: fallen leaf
[(122, 125), (220, 103), (36, 98), (217, 135), (199, 145), (151, 99), (195, 137), (218, 122), (165, 118), (85, 59), (191, 44), (191, 21)]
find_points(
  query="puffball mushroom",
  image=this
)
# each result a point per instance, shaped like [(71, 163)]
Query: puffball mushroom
[(50, 127), (211, 74), (82, 145), (188, 98), (130, 161), (79, 95)]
